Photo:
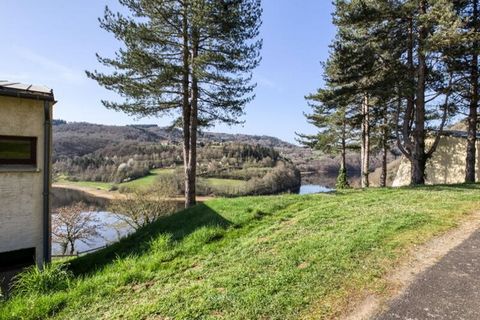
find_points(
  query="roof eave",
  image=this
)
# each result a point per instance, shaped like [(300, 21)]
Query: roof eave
[(26, 95)]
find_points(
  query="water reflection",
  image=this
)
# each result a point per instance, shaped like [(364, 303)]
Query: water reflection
[(314, 188), (113, 229)]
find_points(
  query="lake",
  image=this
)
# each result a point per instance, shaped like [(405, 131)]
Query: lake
[(112, 231), (314, 188)]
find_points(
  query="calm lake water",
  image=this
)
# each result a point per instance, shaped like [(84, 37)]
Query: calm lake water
[(113, 229), (313, 188)]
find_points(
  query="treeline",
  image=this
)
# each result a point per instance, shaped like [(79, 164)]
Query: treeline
[(127, 161), (282, 177), (80, 138), (398, 71)]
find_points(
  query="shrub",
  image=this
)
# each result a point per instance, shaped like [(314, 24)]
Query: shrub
[(342, 182), (173, 181), (124, 189), (142, 207), (202, 188), (283, 178), (53, 277)]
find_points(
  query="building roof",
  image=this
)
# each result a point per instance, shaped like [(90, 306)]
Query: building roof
[(29, 91)]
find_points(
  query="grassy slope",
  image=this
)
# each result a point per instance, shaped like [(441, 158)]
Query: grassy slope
[(282, 257)]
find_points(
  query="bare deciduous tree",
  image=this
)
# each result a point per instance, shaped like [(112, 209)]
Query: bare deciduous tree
[(142, 207), (72, 223)]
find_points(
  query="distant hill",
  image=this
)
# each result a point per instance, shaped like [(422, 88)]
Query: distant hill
[(81, 138)]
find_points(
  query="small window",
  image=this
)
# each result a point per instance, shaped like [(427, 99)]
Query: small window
[(18, 150)]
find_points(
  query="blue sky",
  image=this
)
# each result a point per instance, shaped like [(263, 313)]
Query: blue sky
[(52, 42)]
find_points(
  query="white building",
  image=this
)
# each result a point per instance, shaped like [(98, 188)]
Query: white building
[(25, 177)]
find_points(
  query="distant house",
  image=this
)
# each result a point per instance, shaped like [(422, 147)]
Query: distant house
[(447, 164), (25, 178)]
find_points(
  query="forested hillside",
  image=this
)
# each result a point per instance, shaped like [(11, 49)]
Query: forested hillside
[(78, 145), (81, 138), (227, 164)]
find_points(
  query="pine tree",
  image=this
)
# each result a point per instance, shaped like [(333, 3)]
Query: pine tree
[(392, 53), (415, 76), (334, 116), (429, 28), (365, 60), (190, 58), (473, 97), (334, 135), (463, 62)]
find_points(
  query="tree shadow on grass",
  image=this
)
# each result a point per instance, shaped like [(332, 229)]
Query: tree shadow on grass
[(178, 226)]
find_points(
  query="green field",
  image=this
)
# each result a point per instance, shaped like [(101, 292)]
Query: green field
[(143, 182), (276, 257), (85, 184), (224, 186), (148, 180), (216, 184)]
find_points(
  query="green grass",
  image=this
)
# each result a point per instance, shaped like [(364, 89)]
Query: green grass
[(219, 183), (216, 184), (143, 182), (278, 257), (148, 180), (224, 186), (86, 184)]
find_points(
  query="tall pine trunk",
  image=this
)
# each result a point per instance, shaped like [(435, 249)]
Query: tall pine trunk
[(365, 145), (383, 176), (405, 144), (419, 157), (187, 117), (342, 179), (192, 159), (473, 108)]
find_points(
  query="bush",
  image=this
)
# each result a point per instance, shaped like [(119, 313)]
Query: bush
[(53, 277), (142, 207), (283, 178), (203, 189), (342, 182), (173, 181)]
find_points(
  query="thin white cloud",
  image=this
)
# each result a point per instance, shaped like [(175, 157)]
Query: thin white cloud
[(53, 68), (23, 76), (266, 82)]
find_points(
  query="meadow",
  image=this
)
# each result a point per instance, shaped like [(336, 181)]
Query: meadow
[(268, 257)]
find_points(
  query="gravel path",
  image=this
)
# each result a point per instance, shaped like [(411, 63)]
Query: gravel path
[(448, 290)]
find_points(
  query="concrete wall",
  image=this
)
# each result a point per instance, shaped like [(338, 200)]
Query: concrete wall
[(447, 165), (21, 190)]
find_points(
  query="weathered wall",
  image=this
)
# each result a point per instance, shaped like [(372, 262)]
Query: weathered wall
[(21, 190), (447, 165)]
